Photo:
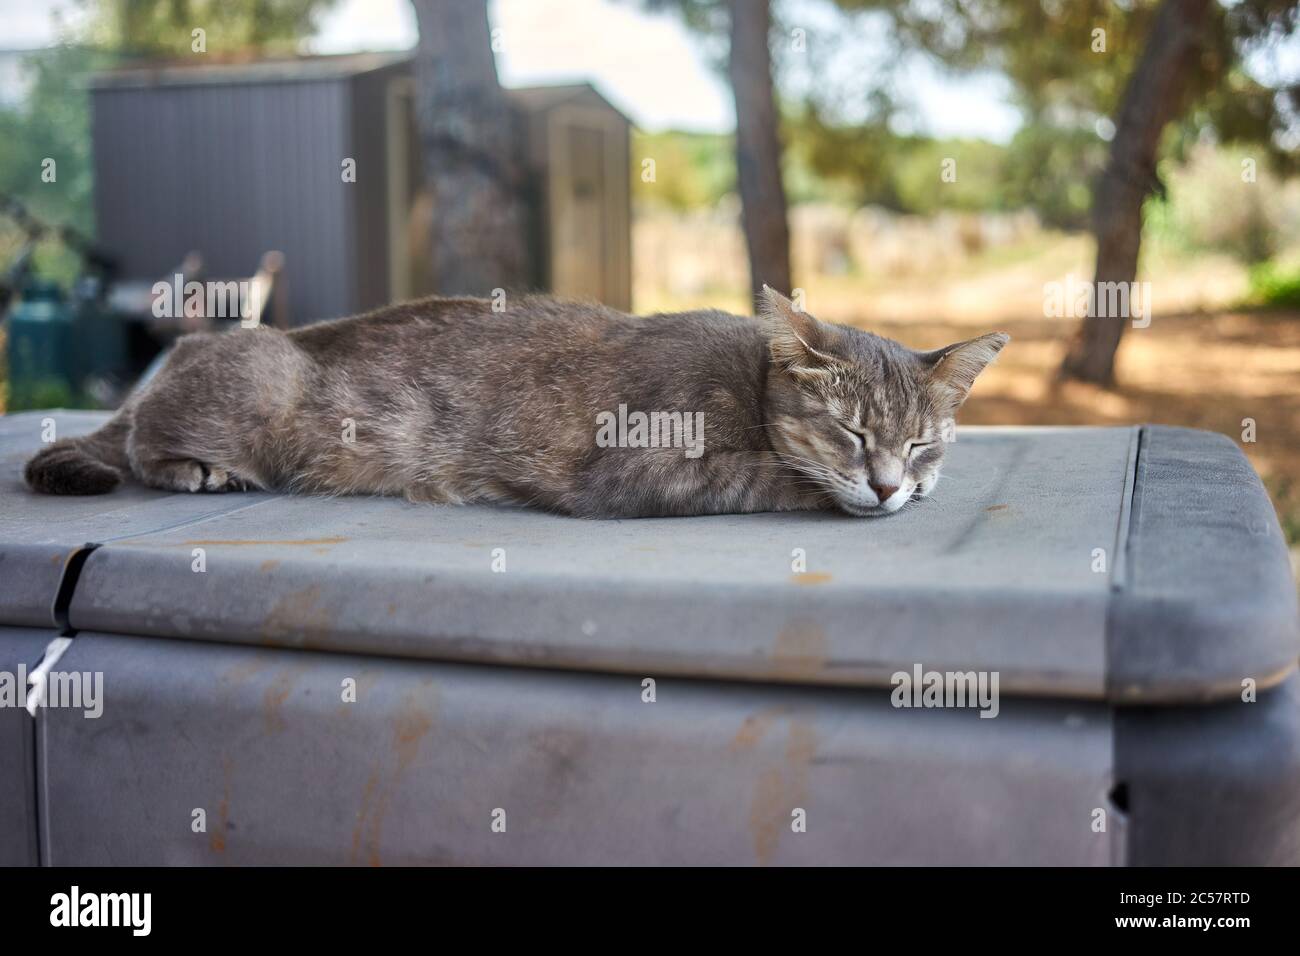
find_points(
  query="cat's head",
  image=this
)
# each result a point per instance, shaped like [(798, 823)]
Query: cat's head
[(865, 418)]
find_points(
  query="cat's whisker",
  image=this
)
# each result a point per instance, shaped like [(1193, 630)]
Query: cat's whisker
[(808, 465)]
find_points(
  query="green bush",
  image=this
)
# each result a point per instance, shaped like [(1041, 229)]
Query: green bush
[(691, 170), (42, 393), (1272, 285), (1052, 170), (1213, 205)]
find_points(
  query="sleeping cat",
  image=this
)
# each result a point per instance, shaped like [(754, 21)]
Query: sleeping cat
[(575, 408)]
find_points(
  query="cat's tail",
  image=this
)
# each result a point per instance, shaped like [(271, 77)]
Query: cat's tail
[(91, 464)]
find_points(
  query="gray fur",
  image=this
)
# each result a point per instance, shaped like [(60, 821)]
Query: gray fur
[(452, 402)]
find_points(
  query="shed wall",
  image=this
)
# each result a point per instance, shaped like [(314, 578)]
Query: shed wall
[(231, 170)]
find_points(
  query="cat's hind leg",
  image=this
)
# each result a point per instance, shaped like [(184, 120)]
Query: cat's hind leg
[(177, 447), (171, 448), (199, 424), (169, 474)]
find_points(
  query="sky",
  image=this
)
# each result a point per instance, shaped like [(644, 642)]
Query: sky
[(650, 66)]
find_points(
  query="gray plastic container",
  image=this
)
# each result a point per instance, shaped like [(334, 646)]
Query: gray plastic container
[(21, 650), (1126, 586)]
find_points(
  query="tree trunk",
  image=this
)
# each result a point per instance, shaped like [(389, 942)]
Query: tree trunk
[(758, 147), (469, 136), (1154, 96)]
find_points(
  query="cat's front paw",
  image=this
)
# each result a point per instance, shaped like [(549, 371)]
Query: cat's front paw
[(220, 480)]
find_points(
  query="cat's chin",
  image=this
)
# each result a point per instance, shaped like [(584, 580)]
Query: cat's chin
[(861, 511), (880, 510)]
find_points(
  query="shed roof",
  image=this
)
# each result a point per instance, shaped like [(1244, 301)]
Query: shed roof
[(270, 70), (548, 97), (295, 69)]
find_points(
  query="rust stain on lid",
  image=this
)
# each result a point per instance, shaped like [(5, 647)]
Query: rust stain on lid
[(811, 577)]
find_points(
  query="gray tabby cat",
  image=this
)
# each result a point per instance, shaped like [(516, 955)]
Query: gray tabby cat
[(446, 400)]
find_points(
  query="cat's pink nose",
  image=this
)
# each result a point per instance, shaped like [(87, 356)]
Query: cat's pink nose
[(883, 491)]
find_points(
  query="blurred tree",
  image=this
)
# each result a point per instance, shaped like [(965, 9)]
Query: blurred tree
[(232, 28), (917, 160), (51, 121), (1049, 168), (748, 25), (758, 146), (1074, 63), (469, 135), (1157, 93), (868, 154)]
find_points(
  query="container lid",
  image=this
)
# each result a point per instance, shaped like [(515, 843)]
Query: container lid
[(1129, 564), (39, 534)]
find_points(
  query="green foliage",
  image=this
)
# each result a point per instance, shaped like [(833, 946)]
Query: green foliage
[(1047, 170), (1049, 51), (154, 28), (1064, 80), (1241, 112), (1272, 285), (43, 393), (691, 170), (695, 170), (977, 166), (1065, 76), (863, 160), (52, 123), (1044, 168), (1051, 170), (1045, 49), (1210, 207)]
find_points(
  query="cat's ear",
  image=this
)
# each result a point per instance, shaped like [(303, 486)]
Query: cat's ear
[(953, 369), (798, 341)]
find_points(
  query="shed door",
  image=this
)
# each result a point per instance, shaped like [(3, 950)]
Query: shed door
[(578, 226)]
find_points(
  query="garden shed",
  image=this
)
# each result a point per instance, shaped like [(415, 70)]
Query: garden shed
[(233, 160)]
